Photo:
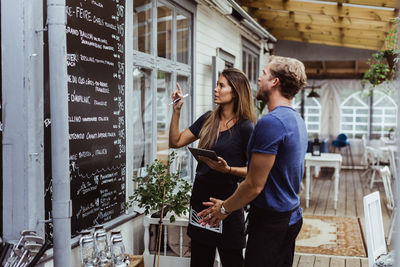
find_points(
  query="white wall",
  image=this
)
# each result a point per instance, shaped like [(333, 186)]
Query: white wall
[(22, 107), (214, 30)]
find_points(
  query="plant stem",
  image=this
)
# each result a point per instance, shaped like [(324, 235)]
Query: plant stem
[(160, 230)]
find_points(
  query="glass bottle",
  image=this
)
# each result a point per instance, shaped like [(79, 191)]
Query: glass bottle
[(101, 245), (87, 250), (118, 252)]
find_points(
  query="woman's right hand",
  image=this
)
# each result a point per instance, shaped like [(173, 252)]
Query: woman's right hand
[(175, 95)]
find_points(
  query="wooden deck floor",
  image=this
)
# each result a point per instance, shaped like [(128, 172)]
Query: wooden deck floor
[(352, 188)]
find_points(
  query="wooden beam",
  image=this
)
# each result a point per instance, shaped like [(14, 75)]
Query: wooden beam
[(331, 38), (316, 39), (251, 11), (374, 3), (334, 21), (326, 30), (313, 27), (324, 9), (334, 76), (331, 71), (335, 69), (337, 38)]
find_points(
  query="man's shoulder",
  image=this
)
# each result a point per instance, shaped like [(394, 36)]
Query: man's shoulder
[(269, 119), (270, 123)]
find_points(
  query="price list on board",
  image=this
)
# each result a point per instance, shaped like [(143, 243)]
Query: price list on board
[(96, 97)]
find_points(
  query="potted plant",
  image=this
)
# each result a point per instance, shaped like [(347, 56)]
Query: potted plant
[(382, 65), (378, 71), (391, 49), (160, 188)]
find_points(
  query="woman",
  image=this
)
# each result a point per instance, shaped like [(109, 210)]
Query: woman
[(226, 130)]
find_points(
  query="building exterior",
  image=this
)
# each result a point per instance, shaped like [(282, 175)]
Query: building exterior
[(123, 61)]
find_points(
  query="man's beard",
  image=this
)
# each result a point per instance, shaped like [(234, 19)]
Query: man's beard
[(263, 95)]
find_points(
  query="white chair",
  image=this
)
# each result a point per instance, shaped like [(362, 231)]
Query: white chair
[(364, 145), (393, 163), (374, 231), (392, 225), (373, 163), (387, 186)]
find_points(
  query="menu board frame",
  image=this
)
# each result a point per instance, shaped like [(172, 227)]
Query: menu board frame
[(95, 34)]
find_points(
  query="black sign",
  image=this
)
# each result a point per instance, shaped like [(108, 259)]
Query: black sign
[(96, 96)]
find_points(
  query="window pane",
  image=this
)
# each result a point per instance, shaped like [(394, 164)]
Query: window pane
[(390, 112), (347, 111), (313, 111), (163, 113), (142, 117), (363, 128), (312, 127), (182, 42), (377, 119), (183, 156), (347, 119), (142, 22), (390, 120), (347, 127), (362, 119), (362, 111), (184, 121), (244, 62), (164, 31), (250, 67), (313, 118), (255, 69)]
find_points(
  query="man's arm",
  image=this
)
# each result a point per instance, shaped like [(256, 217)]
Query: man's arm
[(249, 189)]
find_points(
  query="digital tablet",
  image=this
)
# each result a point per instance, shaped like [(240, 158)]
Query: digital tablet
[(203, 152)]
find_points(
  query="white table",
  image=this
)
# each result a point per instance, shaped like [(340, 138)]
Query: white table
[(325, 160)]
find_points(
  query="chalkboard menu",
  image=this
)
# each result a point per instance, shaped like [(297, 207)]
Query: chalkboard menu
[(96, 97)]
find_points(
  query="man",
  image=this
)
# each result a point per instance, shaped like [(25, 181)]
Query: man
[(276, 152)]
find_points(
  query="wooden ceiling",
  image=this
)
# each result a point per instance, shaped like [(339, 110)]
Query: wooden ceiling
[(360, 24), (335, 69)]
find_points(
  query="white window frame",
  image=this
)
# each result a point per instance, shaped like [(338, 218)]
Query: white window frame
[(354, 132), (172, 66), (308, 113)]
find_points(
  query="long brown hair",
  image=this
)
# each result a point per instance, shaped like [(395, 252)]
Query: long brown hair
[(243, 107)]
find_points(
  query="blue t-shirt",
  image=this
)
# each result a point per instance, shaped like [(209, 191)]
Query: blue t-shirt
[(282, 132)]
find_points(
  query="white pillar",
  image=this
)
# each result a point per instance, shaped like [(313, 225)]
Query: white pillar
[(61, 204)]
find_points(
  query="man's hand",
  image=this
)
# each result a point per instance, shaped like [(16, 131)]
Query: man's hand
[(212, 215), (220, 165)]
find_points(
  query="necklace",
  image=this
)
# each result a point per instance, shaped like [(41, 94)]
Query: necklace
[(225, 125)]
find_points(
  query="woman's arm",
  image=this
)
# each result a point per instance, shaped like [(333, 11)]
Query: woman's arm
[(222, 166), (178, 139)]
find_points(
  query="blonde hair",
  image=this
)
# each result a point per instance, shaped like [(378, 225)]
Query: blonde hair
[(291, 74), (243, 107)]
